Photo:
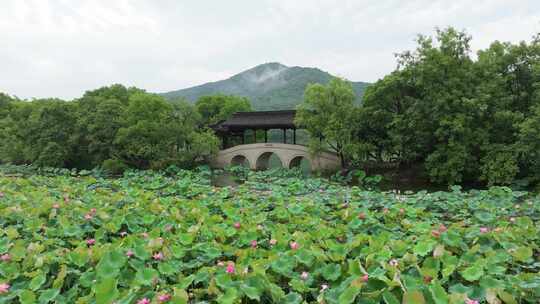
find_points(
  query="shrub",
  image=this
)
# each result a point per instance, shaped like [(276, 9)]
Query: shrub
[(114, 166)]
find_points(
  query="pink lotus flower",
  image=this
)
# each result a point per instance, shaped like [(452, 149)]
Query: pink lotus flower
[(237, 225), (220, 263), (324, 287), (273, 242), (1, 194), (66, 198), (143, 301), (402, 211), (435, 233), (4, 288), (393, 262), (230, 268), (254, 244), (130, 253), (304, 275), (90, 242), (5, 257), (144, 235), (362, 215), (365, 278), (88, 216), (386, 210), (294, 245), (442, 228), (470, 301), (164, 298), (158, 256), (56, 206), (93, 210), (484, 230)]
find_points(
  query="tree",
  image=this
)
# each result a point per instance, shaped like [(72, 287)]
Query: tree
[(156, 134), (216, 108), (329, 115), (145, 136)]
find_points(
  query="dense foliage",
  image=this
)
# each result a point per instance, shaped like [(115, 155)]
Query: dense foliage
[(216, 108), (173, 238), (465, 118), (115, 126)]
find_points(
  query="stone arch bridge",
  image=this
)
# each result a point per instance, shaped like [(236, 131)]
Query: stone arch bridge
[(257, 156)]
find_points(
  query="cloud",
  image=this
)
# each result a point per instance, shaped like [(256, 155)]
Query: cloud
[(62, 48)]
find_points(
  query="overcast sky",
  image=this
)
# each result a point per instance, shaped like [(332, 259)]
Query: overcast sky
[(62, 48)]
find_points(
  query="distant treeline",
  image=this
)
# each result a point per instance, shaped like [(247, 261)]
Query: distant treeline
[(463, 118), (460, 117), (114, 127)]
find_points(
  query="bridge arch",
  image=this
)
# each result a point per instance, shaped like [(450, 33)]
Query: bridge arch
[(240, 160), (263, 160), (296, 161)]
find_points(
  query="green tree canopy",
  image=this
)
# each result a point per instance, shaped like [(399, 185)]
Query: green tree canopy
[(216, 108), (329, 115), (459, 117)]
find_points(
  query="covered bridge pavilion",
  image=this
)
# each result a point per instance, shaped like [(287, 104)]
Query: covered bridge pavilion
[(256, 154), (236, 127)]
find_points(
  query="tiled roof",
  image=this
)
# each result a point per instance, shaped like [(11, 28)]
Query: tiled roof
[(259, 120)]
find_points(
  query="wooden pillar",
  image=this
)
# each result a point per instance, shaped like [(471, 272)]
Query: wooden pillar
[(265, 135), (294, 136), (254, 136), (284, 136)]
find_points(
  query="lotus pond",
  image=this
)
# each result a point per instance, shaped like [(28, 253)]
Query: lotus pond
[(151, 237)]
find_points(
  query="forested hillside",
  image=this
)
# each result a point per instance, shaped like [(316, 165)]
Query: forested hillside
[(270, 86)]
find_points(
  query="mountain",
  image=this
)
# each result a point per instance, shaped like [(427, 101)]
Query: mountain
[(269, 86)]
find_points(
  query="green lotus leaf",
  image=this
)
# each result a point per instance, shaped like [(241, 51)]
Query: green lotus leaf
[(106, 291), (186, 238), (304, 257), (48, 295), (224, 280), (292, 298), (438, 293), (37, 281), (422, 248), (251, 292), (229, 297), (413, 297), (472, 273), (522, 253), (390, 298), (349, 295), (27, 297), (331, 272), (146, 276)]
